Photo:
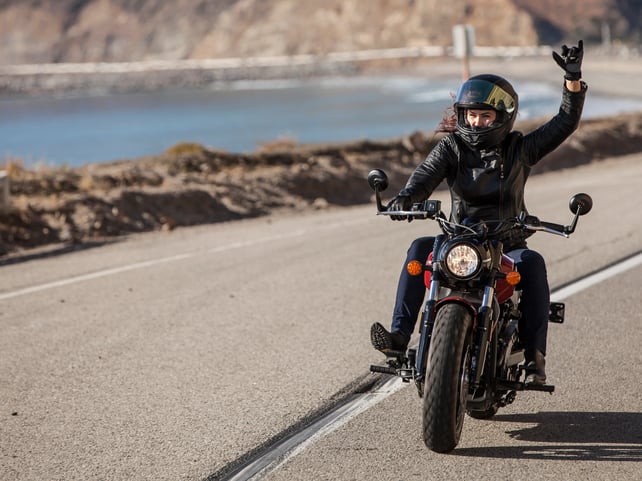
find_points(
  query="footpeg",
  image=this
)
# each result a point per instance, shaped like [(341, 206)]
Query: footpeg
[(539, 387), (521, 386), (397, 364), (383, 369), (556, 312)]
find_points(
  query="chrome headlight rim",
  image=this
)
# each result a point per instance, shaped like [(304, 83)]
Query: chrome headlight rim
[(462, 260)]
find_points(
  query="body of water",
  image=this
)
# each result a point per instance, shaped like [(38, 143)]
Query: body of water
[(240, 116)]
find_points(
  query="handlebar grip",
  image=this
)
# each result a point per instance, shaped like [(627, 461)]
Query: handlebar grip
[(553, 226)]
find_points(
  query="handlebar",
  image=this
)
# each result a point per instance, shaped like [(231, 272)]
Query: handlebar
[(579, 204), (428, 209), (532, 223), (431, 209)]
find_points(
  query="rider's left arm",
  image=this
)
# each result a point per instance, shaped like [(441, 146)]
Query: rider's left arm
[(548, 137), (574, 85)]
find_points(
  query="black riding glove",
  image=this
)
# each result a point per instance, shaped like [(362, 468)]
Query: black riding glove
[(571, 61), (401, 202)]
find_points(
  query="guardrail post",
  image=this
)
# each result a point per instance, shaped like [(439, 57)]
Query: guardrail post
[(5, 199), (464, 46)]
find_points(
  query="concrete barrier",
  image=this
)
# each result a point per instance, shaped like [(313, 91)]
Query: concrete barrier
[(291, 61)]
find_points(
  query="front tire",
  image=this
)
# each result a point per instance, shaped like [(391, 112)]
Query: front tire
[(446, 386)]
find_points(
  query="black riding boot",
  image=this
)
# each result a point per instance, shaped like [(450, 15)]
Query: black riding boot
[(535, 367), (384, 341)]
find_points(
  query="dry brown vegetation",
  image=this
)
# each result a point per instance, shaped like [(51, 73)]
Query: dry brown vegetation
[(191, 184)]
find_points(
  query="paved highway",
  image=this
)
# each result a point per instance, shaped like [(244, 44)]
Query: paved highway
[(168, 356)]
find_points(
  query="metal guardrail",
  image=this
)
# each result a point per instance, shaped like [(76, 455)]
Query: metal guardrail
[(249, 62)]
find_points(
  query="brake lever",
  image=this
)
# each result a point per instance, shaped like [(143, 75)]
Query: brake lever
[(408, 213)]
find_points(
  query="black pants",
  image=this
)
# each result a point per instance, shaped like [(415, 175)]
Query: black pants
[(535, 300)]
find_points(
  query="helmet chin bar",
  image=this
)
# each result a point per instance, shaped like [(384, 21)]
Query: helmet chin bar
[(481, 129), (478, 138)]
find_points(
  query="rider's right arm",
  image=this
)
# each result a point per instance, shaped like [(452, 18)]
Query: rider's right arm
[(437, 166)]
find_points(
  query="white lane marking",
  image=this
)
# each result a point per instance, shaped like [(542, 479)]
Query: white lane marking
[(263, 240), (596, 278), (90, 276), (333, 420), (178, 257), (142, 265)]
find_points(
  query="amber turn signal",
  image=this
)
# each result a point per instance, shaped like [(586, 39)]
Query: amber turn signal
[(415, 268), (513, 278)]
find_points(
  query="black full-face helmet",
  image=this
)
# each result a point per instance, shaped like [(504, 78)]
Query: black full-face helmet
[(486, 91)]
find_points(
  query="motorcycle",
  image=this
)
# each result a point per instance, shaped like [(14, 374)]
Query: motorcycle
[(468, 358)]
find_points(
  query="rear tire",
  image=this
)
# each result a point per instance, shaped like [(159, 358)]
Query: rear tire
[(446, 386)]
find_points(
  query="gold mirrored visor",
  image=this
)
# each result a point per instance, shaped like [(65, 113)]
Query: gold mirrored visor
[(477, 93)]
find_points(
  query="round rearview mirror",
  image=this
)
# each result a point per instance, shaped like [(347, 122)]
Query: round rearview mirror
[(581, 204), (378, 180)]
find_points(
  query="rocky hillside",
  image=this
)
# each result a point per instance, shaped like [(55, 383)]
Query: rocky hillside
[(34, 31), (190, 184)]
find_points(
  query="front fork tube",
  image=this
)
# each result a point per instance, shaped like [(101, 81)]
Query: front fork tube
[(483, 330), (427, 321), (428, 315)]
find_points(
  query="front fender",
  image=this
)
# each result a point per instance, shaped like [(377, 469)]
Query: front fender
[(472, 306)]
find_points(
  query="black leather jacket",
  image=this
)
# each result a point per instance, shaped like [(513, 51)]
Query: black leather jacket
[(489, 185)]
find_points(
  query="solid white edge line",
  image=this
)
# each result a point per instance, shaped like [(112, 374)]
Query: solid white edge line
[(141, 265), (162, 260), (596, 278), (93, 275)]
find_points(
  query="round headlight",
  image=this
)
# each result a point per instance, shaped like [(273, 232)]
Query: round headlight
[(463, 260)]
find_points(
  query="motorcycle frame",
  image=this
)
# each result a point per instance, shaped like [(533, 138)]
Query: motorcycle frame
[(485, 312)]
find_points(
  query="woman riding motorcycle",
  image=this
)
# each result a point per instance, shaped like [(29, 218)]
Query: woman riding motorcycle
[(486, 166)]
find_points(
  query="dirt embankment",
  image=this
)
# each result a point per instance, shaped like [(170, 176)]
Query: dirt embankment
[(190, 184)]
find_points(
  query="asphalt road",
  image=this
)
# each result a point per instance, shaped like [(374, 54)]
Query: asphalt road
[(168, 356)]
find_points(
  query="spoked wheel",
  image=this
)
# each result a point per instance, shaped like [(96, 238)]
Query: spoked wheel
[(446, 386)]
